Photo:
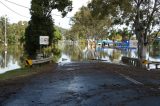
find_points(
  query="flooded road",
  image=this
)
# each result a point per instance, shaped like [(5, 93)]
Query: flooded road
[(85, 84), (13, 57)]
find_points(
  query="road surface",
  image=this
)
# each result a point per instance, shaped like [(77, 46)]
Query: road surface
[(85, 84)]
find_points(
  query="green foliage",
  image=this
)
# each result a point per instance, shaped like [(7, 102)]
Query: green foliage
[(120, 35), (141, 15), (2, 28), (38, 26), (103, 8), (57, 35), (125, 33), (15, 73), (41, 23), (86, 26), (15, 32), (57, 54), (54, 51)]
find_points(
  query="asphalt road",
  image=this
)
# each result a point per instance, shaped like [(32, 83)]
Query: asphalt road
[(84, 84)]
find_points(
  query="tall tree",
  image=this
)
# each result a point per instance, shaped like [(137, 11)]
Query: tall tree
[(142, 15), (86, 26), (41, 23), (146, 17)]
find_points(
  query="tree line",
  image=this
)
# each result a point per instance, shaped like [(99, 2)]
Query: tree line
[(14, 31), (100, 17)]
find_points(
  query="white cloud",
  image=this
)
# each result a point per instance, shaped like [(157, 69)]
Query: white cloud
[(13, 17)]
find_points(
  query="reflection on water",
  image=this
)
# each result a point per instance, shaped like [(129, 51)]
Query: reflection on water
[(10, 58), (76, 52), (154, 53), (64, 59), (13, 57)]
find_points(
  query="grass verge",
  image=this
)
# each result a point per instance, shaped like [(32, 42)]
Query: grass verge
[(15, 73), (27, 71)]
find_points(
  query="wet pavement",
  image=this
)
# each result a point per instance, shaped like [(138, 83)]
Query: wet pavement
[(84, 84)]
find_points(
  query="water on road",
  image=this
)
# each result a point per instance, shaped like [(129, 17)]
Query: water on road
[(83, 84)]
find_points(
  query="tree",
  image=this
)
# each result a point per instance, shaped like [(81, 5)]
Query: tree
[(41, 23), (146, 17), (85, 26), (125, 33), (57, 35), (15, 32), (142, 15)]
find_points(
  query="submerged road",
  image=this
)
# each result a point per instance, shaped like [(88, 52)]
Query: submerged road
[(84, 84)]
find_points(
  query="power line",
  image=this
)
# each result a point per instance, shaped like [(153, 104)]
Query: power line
[(17, 4), (29, 8), (13, 10)]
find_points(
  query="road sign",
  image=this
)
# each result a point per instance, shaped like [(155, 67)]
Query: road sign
[(29, 62), (44, 40), (144, 62)]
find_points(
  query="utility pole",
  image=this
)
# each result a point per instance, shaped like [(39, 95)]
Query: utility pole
[(5, 31)]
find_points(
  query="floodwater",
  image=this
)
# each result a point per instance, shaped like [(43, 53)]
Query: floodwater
[(11, 57), (79, 52)]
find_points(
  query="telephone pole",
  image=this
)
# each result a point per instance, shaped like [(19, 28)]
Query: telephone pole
[(5, 31)]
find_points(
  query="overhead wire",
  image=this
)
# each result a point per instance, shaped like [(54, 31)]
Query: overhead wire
[(17, 4), (25, 8), (13, 10), (29, 8)]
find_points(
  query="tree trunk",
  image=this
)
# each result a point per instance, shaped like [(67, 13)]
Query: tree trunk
[(142, 50)]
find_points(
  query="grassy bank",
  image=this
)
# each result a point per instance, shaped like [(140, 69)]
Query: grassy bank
[(27, 71), (15, 73)]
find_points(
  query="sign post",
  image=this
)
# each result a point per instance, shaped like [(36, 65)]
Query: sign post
[(43, 40)]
